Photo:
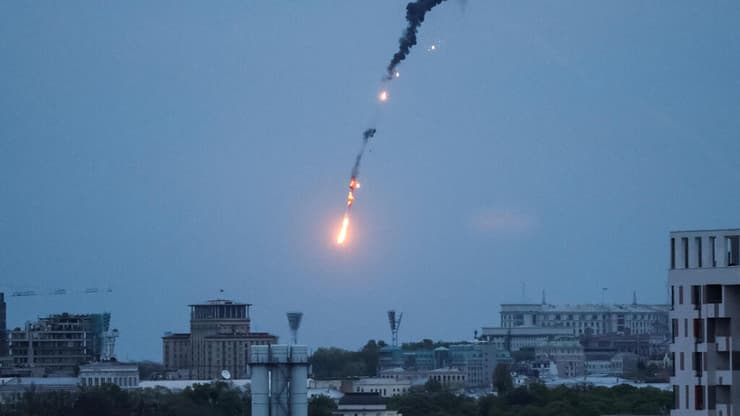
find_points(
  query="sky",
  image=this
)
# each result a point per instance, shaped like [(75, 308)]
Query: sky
[(172, 150)]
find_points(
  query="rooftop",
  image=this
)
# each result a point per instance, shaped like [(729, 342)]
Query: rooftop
[(221, 302), (588, 307)]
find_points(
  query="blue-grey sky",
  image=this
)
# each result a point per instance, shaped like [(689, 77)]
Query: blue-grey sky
[(171, 149)]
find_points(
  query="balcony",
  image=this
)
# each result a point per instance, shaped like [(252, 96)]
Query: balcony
[(721, 378), (724, 343), (713, 310)]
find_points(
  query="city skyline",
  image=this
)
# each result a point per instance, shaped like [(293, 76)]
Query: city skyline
[(171, 152)]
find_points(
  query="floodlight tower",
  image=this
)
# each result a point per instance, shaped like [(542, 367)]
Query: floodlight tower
[(395, 323), (294, 322)]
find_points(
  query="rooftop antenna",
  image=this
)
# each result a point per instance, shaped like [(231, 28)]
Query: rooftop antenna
[(634, 297), (544, 302), (395, 323), (294, 322), (603, 294)]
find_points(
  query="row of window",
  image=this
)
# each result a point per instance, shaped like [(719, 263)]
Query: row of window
[(129, 381), (732, 252)]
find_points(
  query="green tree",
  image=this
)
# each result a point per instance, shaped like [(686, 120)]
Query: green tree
[(321, 406), (502, 379)]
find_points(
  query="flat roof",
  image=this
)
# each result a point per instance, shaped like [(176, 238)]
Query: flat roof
[(215, 302)]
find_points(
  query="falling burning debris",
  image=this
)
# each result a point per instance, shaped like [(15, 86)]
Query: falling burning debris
[(354, 184), (415, 12)]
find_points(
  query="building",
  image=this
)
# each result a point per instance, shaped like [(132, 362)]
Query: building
[(704, 279), (646, 347), (125, 376), (624, 364), (566, 353), (448, 377), (363, 404), (517, 338), (586, 319), (58, 344), (13, 389), (384, 386), (219, 339), (3, 327)]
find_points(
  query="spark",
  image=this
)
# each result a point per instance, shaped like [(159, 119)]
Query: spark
[(383, 96), (432, 48), (343, 231), (396, 74)]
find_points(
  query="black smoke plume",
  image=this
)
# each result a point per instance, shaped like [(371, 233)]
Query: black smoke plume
[(366, 135), (415, 12)]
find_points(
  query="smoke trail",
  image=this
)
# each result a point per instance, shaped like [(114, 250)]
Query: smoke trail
[(415, 12), (366, 135)]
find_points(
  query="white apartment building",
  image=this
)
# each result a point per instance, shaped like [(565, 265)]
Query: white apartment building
[(589, 319), (704, 278)]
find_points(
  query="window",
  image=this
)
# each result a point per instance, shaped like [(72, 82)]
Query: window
[(697, 241), (713, 248), (680, 295), (673, 296), (733, 250), (699, 397), (686, 396), (685, 251), (696, 295), (681, 361), (686, 328), (673, 253)]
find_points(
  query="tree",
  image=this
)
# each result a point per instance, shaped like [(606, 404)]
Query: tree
[(321, 406), (502, 379)]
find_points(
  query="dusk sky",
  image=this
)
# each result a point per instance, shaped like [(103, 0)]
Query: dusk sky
[(170, 149)]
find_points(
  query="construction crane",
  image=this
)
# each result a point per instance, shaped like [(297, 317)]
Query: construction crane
[(58, 292)]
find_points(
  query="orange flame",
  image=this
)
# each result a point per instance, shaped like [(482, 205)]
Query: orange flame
[(343, 231)]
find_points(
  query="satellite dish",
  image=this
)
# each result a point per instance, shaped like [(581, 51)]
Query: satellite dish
[(226, 375)]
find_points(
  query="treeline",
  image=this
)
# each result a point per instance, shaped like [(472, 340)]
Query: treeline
[(333, 363), (536, 400), (216, 399)]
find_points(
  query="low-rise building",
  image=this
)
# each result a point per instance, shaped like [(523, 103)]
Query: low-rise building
[(517, 338), (363, 404), (448, 377), (125, 376), (567, 354), (385, 387), (13, 389)]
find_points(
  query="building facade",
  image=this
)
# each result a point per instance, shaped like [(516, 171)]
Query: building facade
[(125, 376), (3, 327), (704, 279), (567, 354), (586, 319), (384, 386), (219, 339), (363, 404), (58, 344), (517, 338)]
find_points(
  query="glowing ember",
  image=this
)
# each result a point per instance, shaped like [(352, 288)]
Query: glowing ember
[(383, 96), (396, 74), (343, 231)]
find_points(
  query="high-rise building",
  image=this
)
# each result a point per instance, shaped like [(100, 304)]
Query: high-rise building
[(704, 279), (219, 340), (58, 344)]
